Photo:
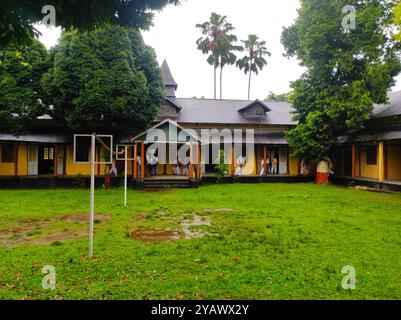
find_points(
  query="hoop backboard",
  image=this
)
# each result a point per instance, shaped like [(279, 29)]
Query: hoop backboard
[(120, 155), (82, 146)]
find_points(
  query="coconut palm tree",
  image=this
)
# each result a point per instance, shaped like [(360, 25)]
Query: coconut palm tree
[(219, 42), (254, 60)]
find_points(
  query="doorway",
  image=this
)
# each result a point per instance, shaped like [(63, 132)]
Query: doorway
[(46, 159)]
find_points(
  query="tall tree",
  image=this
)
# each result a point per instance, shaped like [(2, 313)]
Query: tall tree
[(17, 18), (219, 43), (105, 80), (348, 70), (21, 70), (254, 60)]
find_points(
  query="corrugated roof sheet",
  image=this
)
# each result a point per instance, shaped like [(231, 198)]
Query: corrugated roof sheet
[(393, 108), (38, 138), (227, 112)]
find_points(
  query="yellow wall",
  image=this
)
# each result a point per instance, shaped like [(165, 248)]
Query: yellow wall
[(6, 168), (23, 160), (394, 162), (72, 168), (368, 171), (293, 165)]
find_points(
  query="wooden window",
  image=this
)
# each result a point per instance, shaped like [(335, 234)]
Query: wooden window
[(82, 152), (7, 152), (48, 153), (371, 155)]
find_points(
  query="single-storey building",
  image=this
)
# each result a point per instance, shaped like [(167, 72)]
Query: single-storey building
[(47, 155)]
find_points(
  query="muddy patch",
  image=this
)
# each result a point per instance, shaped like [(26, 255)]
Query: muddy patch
[(196, 221), (84, 217), (219, 210), (156, 235), (38, 232), (166, 235)]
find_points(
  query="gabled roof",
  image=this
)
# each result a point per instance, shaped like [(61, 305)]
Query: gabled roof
[(256, 102), (174, 103), (167, 76), (165, 126)]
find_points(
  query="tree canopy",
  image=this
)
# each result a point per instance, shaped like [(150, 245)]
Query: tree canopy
[(254, 59), (106, 80), (219, 43), (347, 70), (280, 97), (397, 19), (17, 18), (21, 70)]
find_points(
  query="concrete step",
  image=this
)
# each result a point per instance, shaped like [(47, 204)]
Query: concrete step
[(155, 184)]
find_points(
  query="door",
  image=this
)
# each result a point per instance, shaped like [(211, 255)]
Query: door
[(60, 160), (283, 156), (46, 159), (32, 160)]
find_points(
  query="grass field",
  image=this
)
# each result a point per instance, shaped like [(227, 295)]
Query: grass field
[(271, 241)]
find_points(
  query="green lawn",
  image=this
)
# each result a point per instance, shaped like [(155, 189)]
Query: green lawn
[(278, 241)]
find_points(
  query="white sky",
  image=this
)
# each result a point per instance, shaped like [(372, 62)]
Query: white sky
[(174, 35)]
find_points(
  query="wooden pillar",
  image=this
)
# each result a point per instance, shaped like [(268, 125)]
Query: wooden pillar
[(55, 160), (143, 160), (135, 162), (16, 160), (98, 160), (381, 161), (198, 168), (65, 160), (232, 160), (353, 160), (264, 160), (191, 169)]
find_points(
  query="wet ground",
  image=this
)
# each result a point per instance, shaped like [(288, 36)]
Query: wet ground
[(39, 232)]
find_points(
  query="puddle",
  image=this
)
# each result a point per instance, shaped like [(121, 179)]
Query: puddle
[(30, 230), (156, 235), (166, 235)]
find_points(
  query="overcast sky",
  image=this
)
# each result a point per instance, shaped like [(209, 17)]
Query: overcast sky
[(174, 35)]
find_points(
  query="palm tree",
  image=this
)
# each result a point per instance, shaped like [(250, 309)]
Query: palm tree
[(253, 61), (227, 57), (219, 43)]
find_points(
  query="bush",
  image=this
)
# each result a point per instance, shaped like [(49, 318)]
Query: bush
[(221, 167)]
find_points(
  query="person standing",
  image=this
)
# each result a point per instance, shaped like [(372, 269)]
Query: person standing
[(274, 165)]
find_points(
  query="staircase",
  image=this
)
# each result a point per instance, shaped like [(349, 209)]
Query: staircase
[(160, 183)]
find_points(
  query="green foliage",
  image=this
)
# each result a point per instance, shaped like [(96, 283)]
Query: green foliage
[(397, 19), (21, 69), (254, 60), (17, 17), (221, 167), (107, 80), (281, 97), (347, 70)]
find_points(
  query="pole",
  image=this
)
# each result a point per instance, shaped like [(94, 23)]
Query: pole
[(92, 196), (125, 177)]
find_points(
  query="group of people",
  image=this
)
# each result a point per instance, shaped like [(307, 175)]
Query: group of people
[(271, 166)]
